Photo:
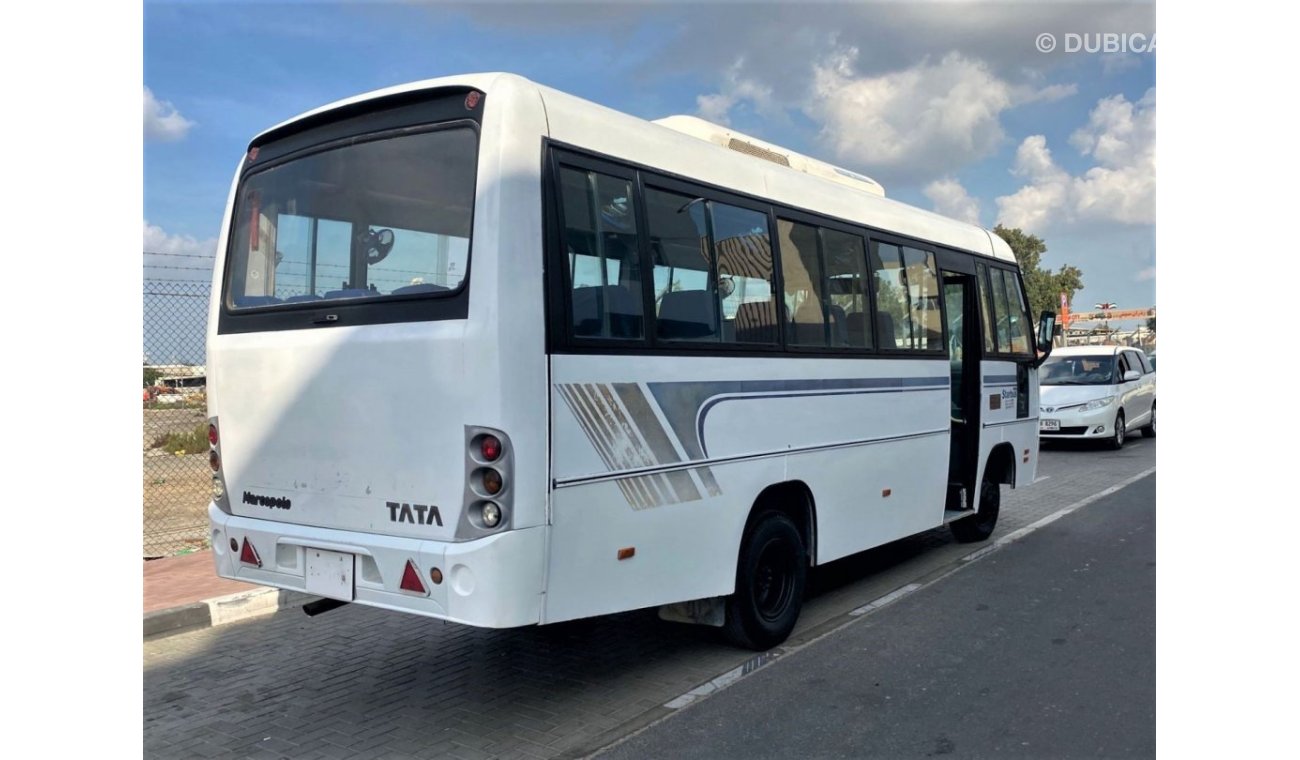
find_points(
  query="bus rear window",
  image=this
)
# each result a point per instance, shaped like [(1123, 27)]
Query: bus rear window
[(387, 217)]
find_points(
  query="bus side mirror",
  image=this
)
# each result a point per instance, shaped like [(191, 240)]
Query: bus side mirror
[(1046, 326)]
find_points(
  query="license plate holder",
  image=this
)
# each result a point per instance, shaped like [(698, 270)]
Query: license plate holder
[(331, 574), (1049, 425)]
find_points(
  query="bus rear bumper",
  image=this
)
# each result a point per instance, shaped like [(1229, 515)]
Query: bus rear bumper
[(492, 582)]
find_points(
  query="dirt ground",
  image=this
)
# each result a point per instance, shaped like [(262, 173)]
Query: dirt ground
[(176, 488)]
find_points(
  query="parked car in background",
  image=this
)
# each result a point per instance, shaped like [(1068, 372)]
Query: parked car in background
[(1097, 393)]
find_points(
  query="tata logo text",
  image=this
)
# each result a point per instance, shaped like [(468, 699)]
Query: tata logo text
[(419, 514), (274, 502)]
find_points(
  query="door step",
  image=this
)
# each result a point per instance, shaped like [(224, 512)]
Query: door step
[(951, 515)]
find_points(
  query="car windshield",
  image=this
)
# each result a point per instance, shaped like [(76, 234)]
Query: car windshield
[(1078, 370)]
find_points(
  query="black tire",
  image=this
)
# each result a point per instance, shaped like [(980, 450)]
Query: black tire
[(1120, 433), (770, 577), (979, 526), (1149, 429)]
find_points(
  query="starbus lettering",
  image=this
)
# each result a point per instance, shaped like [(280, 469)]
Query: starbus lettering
[(274, 502), (419, 514)]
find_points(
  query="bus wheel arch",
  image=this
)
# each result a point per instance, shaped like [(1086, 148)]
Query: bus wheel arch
[(1001, 465), (794, 499), (771, 567)]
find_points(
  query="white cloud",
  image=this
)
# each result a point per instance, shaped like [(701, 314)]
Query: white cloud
[(162, 121), (1030, 207), (1146, 275), (736, 89), (177, 257), (1051, 93), (915, 123), (1121, 138), (951, 199), (159, 241)]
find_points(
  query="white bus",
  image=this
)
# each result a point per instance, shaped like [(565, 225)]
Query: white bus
[(486, 352)]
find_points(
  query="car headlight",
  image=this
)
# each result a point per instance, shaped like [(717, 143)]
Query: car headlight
[(1098, 403)]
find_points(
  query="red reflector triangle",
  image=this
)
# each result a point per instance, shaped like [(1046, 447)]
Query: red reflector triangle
[(248, 555), (411, 579)]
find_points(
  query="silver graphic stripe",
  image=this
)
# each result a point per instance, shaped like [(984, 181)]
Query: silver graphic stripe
[(631, 473)]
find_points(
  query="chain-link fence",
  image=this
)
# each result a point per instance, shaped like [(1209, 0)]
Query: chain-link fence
[(177, 478)]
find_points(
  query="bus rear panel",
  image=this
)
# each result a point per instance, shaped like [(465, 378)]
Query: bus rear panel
[(376, 439)]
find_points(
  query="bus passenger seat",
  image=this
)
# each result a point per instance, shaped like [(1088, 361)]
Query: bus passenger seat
[(885, 331), (586, 311), (624, 312), (856, 326), (350, 293), (245, 301), (419, 287), (839, 331), (686, 314)]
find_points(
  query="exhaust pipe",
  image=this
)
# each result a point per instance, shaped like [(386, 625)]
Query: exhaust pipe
[(322, 605)]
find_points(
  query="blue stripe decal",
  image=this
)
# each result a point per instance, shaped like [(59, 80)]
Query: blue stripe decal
[(1000, 379)]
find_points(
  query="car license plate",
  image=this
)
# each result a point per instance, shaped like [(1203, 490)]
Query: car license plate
[(1049, 425), (331, 574)]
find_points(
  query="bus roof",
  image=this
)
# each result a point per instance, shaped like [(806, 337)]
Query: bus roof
[(594, 127)]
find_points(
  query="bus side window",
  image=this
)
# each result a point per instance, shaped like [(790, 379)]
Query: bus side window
[(846, 279), (986, 308), (1018, 325), (801, 272), (600, 236), (686, 295), (1001, 312), (743, 253), (893, 318), (923, 300)]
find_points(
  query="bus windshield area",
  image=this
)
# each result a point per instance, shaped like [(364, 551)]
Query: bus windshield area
[(1078, 370), (371, 219)]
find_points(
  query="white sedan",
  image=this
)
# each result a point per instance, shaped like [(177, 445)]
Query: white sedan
[(1097, 392)]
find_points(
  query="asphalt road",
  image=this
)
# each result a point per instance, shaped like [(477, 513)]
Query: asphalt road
[(1043, 649), (361, 682)]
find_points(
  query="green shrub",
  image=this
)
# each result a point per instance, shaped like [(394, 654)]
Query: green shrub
[(191, 442)]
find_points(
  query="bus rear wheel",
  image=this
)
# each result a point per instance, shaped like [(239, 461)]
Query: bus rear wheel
[(770, 578)]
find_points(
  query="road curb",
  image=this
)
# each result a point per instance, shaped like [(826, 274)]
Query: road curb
[(221, 610)]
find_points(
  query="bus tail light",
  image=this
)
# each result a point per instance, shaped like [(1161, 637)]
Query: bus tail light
[(489, 466), (219, 496), (490, 514), (489, 447), (411, 579), (248, 555), (490, 480)]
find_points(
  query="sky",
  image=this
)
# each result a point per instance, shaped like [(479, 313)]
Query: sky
[(952, 106)]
